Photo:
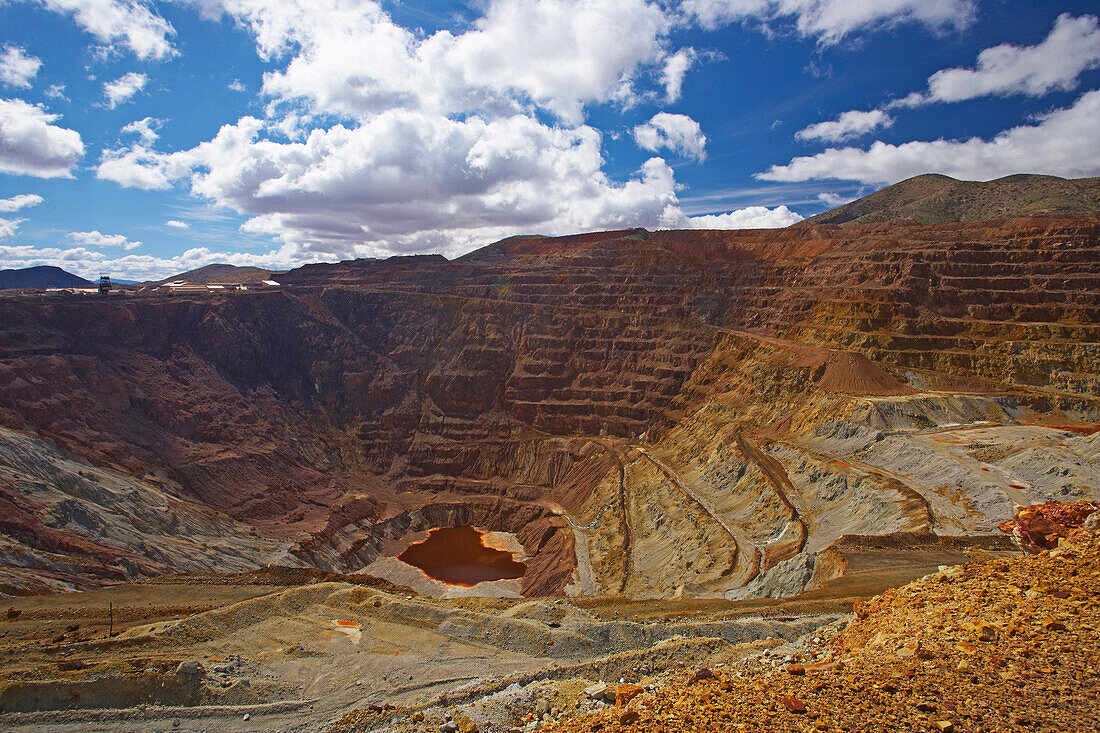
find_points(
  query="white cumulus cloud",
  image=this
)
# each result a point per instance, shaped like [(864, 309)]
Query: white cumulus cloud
[(17, 68), (1065, 142), (678, 133), (1071, 48), (31, 145), (20, 201), (847, 126), (140, 167), (380, 140), (831, 20), (145, 128), (177, 224), (8, 228), (676, 66), (833, 199), (406, 181), (128, 22), (122, 89), (750, 217), (96, 239), (352, 59)]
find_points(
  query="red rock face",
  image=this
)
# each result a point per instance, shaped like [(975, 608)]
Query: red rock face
[(923, 297), (19, 519), (1037, 528), (339, 413), (369, 399)]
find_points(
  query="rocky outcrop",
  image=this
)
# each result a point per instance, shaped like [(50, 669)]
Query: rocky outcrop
[(953, 651), (67, 525), (1042, 526)]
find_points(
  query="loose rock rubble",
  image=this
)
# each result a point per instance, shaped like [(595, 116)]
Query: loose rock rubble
[(1039, 527), (1007, 645)]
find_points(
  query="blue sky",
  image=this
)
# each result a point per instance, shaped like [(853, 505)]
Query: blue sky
[(143, 139)]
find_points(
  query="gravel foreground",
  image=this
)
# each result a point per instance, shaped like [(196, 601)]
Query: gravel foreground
[(1006, 645)]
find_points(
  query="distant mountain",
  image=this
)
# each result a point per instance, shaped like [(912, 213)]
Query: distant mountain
[(43, 276), (222, 274), (936, 199)]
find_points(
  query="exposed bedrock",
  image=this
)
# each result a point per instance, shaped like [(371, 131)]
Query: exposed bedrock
[(650, 414), (67, 525)]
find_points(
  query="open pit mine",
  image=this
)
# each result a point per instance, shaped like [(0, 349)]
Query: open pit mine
[(491, 493)]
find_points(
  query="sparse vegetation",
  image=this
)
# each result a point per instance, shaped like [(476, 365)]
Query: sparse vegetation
[(936, 199)]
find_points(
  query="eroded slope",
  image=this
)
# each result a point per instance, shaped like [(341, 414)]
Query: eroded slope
[(649, 414)]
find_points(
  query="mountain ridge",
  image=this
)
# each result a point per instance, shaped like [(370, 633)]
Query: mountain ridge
[(40, 276), (221, 273), (933, 198)]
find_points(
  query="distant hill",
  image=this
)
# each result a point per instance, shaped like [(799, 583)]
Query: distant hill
[(43, 276), (936, 199), (222, 274)]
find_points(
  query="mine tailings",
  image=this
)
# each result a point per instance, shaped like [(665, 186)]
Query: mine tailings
[(458, 556)]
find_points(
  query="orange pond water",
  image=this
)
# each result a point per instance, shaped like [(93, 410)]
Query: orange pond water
[(458, 556)]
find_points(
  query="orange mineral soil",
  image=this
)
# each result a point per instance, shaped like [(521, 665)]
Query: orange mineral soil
[(458, 556)]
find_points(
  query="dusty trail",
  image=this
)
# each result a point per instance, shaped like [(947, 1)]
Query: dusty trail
[(779, 481), (1004, 481), (930, 656), (293, 671), (628, 561), (739, 540), (916, 503), (142, 718), (585, 575)]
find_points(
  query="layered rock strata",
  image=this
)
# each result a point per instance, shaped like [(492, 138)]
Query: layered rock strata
[(699, 413)]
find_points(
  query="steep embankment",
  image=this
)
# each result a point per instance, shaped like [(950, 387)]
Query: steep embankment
[(670, 413), (348, 419), (66, 524), (1003, 645)]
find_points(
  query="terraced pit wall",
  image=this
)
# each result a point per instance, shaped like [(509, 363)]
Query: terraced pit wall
[(651, 413)]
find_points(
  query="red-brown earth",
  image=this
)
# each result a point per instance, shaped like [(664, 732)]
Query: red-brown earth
[(687, 405)]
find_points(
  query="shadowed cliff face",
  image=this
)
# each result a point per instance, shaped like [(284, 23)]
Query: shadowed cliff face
[(328, 416), (647, 412)]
